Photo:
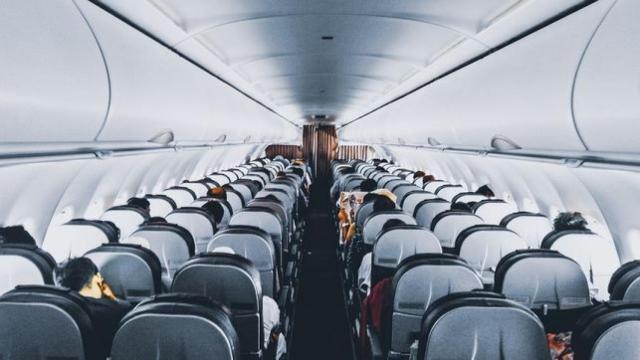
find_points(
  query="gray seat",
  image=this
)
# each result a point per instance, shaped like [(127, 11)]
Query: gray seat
[(176, 326), (266, 220), (481, 326), (448, 224), (467, 197), (531, 227), (254, 244), (132, 271), (374, 222), (483, 246), (219, 178), (198, 222), (67, 333), (398, 243), (126, 218), (432, 186), (243, 189), (363, 213), (160, 205), (198, 188), (492, 211), (172, 244), (234, 198), (22, 264), (228, 211), (401, 190), (625, 282), (449, 191), (76, 237), (233, 281), (410, 201), (419, 281), (181, 195), (608, 331), (596, 255), (426, 210)]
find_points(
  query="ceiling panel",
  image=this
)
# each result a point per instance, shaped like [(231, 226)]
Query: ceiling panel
[(273, 49)]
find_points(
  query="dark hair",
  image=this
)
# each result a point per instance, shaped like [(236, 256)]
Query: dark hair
[(215, 210), (297, 171), (281, 174), (383, 203), (140, 203), (418, 174), (570, 221), (155, 220), (16, 235), (369, 197), (347, 170), (485, 190), (392, 223), (427, 178), (76, 273), (381, 169), (461, 206), (368, 185)]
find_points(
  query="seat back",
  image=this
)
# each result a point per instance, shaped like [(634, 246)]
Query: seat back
[(542, 280), (608, 331), (483, 326), (448, 224), (531, 227), (492, 211), (467, 197), (363, 213), (172, 244), (235, 199), (160, 205), (67, 333), (76, 237), (176, 326), (420, 280), (596, 255), (198, 222), (22, 264), (264, 219), (374, 222), (198, 188), (426, 210), (449, 191), (482, 246), (126, 218), (233, 281), (132, 271), (432, 186), (243, 189), (181, 195), (398, 243), (228, 211), (254, 244), (220, 179), (411, 199), (625, 282)]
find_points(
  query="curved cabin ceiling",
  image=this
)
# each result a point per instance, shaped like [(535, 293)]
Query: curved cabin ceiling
[(338, 58)]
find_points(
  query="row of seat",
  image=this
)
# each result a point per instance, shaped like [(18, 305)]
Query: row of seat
[(487, 250), (182, 255)]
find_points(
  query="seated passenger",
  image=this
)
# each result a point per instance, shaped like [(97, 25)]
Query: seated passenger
[(81, 275), (364, 271), (462, 206), (570, 221), (16, 235), (486, 191), (215, 210), (368, 185), (270, 318), (140, 203), (217, 193), (155, 220)]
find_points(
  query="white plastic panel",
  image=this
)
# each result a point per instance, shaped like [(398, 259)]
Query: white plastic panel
[(514, 92), (607, 90), (53, 83), (18, 270)]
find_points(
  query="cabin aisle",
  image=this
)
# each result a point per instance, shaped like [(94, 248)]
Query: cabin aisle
[(321, 327)]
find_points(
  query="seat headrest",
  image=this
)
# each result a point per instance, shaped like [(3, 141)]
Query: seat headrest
[(76, 237), (374, 223), (625, 282), (23, 264), (532, 227), (399, 242), (448, 191), (467, 197), (170, 228), (426, 210), (160, 205), (250, 242), (492, 211)]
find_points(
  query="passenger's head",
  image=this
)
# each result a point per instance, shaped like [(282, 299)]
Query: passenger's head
[(393, 223), (297, 171), (217, 193), (281, 174), (140, 203), (418, 174), (486, 191), (215, 210), (381, 169), (81, 275), (347, 170), (15, 235), (427, 178), (383, 203), (461, 206), (368, 185), (369, 197), (155, 220), (570, 221)]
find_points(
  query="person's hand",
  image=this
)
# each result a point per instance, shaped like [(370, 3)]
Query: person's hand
[(106, 289)]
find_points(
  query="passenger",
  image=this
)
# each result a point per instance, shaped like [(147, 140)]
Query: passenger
[(570, 221), (462, 206), (486, 191), (16, 235), (418, 174), (217, 193), (270, 318), (383, 203), (155, 220), (81, 275), (368, 185), (215, 210), (140, 203), (364, 271), (428, 178), (281, 175)]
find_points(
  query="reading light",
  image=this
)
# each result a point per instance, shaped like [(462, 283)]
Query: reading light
[(503, 143), (164, 137)]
